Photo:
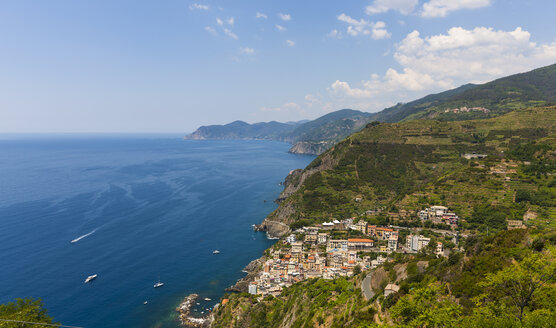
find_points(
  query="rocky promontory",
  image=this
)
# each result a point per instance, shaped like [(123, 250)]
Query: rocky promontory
[(184, 310)]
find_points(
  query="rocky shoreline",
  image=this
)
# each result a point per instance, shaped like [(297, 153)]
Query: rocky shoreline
[(184, 310)]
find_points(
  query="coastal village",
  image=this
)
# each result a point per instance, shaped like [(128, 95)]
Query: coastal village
[(320, 251)]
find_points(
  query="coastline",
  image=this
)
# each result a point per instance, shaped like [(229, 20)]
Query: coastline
[(252, 269)]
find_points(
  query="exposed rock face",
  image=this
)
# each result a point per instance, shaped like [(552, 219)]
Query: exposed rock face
[(252, 269), (277, 223), (310, 147)]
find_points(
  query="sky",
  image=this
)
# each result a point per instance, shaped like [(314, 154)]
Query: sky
[(134, 66)]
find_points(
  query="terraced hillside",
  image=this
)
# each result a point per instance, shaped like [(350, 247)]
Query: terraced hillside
[(402, 167)]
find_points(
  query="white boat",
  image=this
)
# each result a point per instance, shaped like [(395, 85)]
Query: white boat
[(158, 284), (216, 251), (90, 278), (145, 302), (207, 299)]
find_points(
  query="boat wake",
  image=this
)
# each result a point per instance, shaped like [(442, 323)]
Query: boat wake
[(81, 237)]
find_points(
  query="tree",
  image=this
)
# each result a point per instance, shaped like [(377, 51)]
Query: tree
[(23, 310), (429, 306), (356, 270), (523, 287)]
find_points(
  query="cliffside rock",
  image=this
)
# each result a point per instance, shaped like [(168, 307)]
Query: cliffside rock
[(252, 269), (310, 147)]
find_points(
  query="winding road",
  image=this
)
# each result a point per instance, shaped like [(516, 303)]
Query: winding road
[(366, 287)]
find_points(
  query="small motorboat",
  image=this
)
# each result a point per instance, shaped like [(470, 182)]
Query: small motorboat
[(90, 278), (216, 251), (145, 302), (158, 284), (207, 299)]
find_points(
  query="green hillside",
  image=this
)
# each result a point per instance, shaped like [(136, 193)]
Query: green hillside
[(502, 280), (493, 277), (406, 166), (534, 88)]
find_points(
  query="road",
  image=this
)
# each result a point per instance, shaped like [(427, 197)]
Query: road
[(366, 287)]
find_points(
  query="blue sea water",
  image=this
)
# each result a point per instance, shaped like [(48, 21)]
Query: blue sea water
[(146, 207)]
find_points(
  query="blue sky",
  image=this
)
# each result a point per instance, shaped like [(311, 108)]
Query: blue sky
[(171, 66)]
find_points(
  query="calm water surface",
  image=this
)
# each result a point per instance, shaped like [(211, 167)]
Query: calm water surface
[(146, 207)]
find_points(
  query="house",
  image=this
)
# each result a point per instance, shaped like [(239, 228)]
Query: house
[(311, 238), (361, 226), (339, 244), (439, 249), (290, 239), (393, 243), (416, 243), (297, 247), (322, 238), (515, 224), (391, 289), (474, 155), (360, 244), (253, 288)]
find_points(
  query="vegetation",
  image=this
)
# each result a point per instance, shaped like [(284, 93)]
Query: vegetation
[(500, 280), (28, 309), (530, 89), (412, 165)]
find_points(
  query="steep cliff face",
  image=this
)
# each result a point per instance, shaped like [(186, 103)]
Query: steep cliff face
[(277, 223)]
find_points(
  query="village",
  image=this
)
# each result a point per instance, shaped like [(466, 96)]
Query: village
[(343, 248)]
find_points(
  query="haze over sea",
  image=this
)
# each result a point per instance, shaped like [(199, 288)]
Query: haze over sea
[(146, 206)]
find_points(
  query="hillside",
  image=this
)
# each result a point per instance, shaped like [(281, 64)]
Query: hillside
[(534, 88), (405, 166), (467, 289), (308, 137), (243, 130), (384, 175)]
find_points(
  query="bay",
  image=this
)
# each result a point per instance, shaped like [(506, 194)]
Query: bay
[(140, 208)]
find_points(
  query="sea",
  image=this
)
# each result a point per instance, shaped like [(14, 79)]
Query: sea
[(139, 209)]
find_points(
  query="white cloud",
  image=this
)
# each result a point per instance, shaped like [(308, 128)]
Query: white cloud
[(230, 21), (439, 62), (363, 27), (290, 43), (335, 34), (285, 17), (197, 6), (247, 51), (280, 28), (210, 30), (230, 34), (441, 8), (405, 7), (261, 15)]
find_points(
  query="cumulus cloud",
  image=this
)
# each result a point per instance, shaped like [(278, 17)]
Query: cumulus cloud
[(247, 51), (439, 62), (230, 21), (280, 28), (219, 21), (196, 6), (405, 7), (285, 17), (230, 34), (441, 8), (261, 15), (363, 27), (290, 43)]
